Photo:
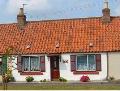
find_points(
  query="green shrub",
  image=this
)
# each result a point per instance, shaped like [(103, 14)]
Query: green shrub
[(41, 80), (8, 78), (61, 79), (44, 80), (12, 79), (29, 79), (111, 78), (5, 78)]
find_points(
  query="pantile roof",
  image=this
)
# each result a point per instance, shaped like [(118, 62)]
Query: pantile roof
[(62, 36)]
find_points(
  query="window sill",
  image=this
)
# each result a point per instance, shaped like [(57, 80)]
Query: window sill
[(85, 72), (31, 73)]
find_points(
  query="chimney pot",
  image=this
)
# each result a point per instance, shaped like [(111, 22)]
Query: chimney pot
[(106, 4), (21, 12)]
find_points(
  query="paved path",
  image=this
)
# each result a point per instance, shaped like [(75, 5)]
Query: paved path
[(61, 83)]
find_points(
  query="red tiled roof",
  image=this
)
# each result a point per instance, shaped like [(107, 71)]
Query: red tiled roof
[(62, 36)]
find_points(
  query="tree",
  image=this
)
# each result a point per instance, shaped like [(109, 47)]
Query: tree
[(5, 67)]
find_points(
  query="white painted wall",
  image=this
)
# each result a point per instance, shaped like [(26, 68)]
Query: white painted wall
[(18, 77), (65, 70)]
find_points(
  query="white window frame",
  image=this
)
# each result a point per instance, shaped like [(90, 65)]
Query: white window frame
[(30, 64), (87, 62)]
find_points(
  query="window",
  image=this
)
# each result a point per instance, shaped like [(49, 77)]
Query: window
[(30, 63), (86, 63)]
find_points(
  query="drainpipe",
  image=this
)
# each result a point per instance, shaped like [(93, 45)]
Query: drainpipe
[(107, 65)]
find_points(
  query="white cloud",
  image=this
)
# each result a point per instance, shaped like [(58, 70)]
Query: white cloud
[(13, 6)]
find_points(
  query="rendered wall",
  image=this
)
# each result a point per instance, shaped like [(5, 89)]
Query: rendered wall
[(65, 70), (18, 77), (114, 65)]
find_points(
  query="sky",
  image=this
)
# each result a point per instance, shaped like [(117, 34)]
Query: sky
[(37, 10)]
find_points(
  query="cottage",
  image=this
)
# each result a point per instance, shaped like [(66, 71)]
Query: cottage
[(68, 48)]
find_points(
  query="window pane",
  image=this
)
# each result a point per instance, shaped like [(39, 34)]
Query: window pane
[(35, 63), (82, 62), (26, 65), (91, 62)]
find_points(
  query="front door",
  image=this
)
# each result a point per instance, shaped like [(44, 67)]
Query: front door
[(54, 61)]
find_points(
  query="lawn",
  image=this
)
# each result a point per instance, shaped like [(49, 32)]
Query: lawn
[(63, 87)]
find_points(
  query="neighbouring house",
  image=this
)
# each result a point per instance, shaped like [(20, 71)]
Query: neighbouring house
[(68, 48)]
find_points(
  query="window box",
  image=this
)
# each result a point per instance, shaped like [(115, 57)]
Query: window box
[(31, 73), (85, 72)]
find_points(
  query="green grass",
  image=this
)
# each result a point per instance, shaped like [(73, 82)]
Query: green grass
[(64, 87)]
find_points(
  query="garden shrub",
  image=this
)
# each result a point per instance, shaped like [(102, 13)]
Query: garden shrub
[(12, 79), (7, 78), (61, 79), (111, 78), (29, 79), (84, 79), (44, 80)]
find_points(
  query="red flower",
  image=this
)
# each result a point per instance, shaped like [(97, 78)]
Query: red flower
[(84, 78)]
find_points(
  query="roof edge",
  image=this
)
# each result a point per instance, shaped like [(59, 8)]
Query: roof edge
[(50, 20)]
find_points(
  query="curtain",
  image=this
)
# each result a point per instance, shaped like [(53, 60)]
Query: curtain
[(86, 63), (91, 62), (26, 63), (35, 64)]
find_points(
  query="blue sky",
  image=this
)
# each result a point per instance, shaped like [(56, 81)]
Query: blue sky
[(55, 9)]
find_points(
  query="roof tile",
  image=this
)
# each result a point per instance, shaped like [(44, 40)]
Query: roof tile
[(74, 35)]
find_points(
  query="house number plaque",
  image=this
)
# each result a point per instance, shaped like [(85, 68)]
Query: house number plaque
[(65, 61)]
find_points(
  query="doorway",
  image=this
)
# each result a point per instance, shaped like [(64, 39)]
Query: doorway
[(54, 64)]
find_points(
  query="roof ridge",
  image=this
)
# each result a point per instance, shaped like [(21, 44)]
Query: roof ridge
[(8, 23), (62, 19), (65, 19)]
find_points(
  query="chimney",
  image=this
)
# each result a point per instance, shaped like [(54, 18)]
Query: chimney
[(106, 12), (21, 18)]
